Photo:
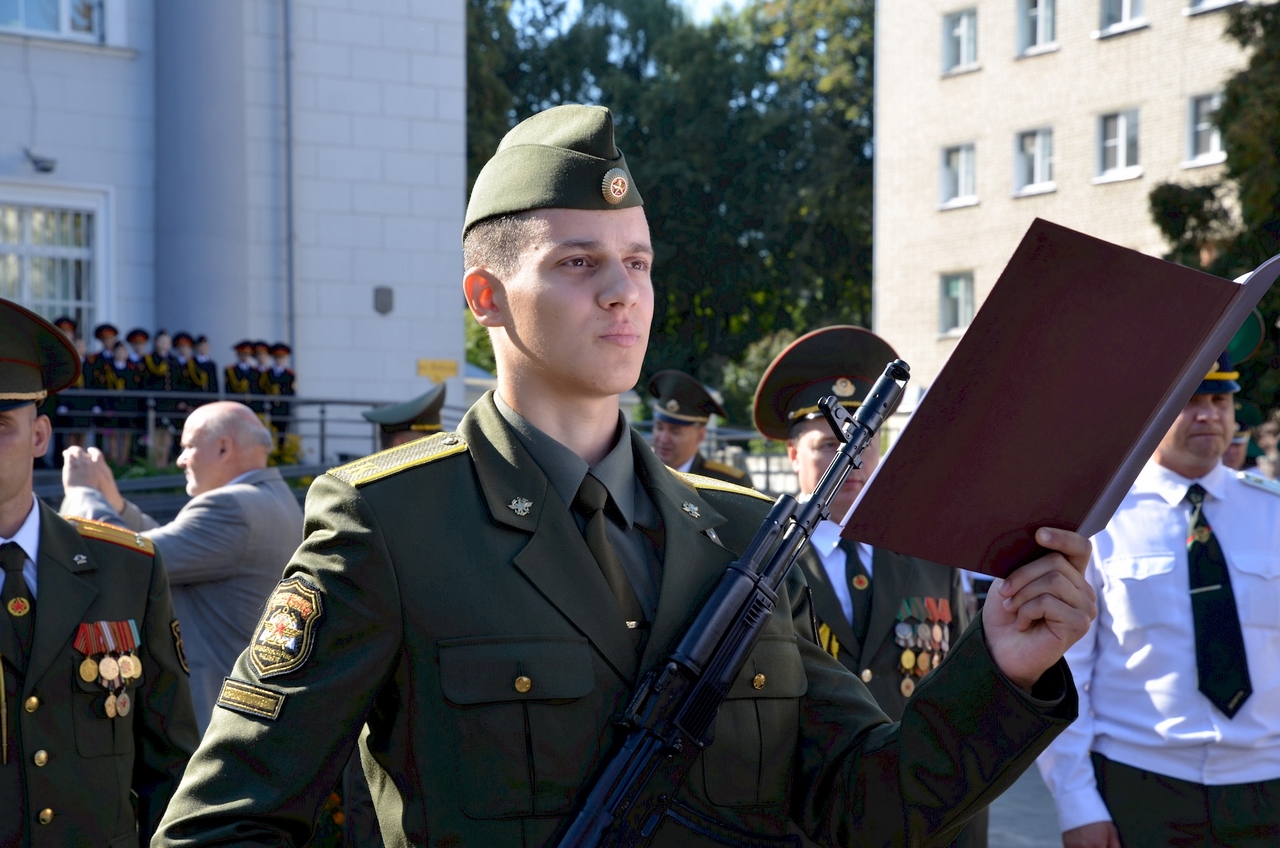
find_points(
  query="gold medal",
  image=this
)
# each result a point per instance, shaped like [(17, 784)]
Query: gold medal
[(89, 670), (110, 706), (922, 662), (908, 659), (109, 668), (122, 704), (908, 686), (127, 667), (937, 632)]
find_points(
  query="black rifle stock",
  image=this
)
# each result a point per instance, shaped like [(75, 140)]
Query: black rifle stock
[(671, 717)]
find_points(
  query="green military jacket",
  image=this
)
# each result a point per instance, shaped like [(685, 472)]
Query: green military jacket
[(84, 772), (444, 596), (896, 582)]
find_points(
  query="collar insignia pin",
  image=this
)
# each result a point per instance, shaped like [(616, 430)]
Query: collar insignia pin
[(80, 559), (691, 509), (520, 506)]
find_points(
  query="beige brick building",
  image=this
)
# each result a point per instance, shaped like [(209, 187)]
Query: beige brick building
[(990, 113)]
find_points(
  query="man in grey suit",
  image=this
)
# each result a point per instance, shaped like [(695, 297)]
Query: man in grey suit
[(224, 551)]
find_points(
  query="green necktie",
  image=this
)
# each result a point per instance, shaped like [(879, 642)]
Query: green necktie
[(590, 502), (1220, 657), (861, 597), (19, 605)]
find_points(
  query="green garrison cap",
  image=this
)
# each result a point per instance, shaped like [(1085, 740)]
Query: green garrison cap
[(680, 399), (562, 158), (421, 414), (840, 361), (35, 357)]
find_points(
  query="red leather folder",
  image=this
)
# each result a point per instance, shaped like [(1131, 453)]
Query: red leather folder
[(1070, 374)]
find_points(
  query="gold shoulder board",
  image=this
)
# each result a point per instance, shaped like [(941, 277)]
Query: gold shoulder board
[(724, 468), (697, 481), (394, 460), (104, 532), (1272, 486)]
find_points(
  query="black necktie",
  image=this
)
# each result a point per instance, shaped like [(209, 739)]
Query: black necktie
[(19, 606), (1220, 657), (858, 581), (590, 503)]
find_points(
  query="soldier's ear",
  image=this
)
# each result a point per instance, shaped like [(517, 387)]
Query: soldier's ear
[(483, 292)]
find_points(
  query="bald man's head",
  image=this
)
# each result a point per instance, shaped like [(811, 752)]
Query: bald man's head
[(220, 442)]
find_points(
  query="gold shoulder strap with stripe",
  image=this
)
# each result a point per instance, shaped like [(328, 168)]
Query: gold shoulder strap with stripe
[(400, 458), (104, 532), (697, 481), (724, 468)]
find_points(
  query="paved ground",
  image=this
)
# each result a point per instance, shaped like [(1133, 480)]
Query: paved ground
[(1024, 816)]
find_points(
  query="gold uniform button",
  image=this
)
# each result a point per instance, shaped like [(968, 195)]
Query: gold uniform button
[(866, 675), (46, 815), (758, 681), (523, 684), (31, 704), (40, 758)]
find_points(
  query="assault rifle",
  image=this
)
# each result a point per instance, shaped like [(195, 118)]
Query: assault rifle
[(671, 717)]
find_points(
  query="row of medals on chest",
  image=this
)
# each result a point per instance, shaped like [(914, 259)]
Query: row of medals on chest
[(110, 661), (923, 644)]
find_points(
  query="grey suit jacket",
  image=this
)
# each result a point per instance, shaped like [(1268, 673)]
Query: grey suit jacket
[(224, 553)]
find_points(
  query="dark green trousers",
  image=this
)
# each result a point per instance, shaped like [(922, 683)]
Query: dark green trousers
[(1151, 809)]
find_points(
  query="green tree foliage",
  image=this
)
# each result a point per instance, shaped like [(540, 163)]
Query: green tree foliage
[(479, 347), (1232, 226), (750, 138)]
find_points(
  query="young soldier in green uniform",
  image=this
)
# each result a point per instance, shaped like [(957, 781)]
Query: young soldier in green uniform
[(97, 716), (681, 409), (483, 601), (888, 618), (413, 419)]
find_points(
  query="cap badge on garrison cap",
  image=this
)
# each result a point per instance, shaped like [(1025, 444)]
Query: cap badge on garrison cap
[(615, 186), (843, 387)]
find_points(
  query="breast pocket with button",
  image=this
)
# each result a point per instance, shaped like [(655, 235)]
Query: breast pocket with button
[(1256, 583), (1145, 592), (525, 722)]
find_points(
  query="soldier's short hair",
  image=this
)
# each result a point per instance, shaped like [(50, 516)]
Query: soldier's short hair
[(497, 243)]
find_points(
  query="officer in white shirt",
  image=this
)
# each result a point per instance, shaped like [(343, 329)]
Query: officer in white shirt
[(1178, 740)]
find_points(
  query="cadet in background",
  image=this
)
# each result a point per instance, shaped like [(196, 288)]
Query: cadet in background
[(682, 406)]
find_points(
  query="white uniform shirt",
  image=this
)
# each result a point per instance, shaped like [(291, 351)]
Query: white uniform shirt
[(1135, 669), (28, 538), (826, 544)]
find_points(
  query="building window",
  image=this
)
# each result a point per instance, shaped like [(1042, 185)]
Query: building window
[(1036, 25), (1205, 142), (1121, 14), (1197, 6), (958, 183), (956, 303), (1033, 162), (78, 19), (1118, 146), (960, 41), (47, 261)]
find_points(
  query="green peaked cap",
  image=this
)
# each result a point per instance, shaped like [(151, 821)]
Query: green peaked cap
[(421, 414), (35, 357), (563, 158)]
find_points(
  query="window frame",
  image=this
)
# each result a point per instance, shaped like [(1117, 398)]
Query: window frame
[(95, 200), (1215, 154), (1132, 17), (64, 32), (1126, 120), (946, 330), (1041, 166), (967, 39), (967, 155), (1032, 40), (1202, 7)]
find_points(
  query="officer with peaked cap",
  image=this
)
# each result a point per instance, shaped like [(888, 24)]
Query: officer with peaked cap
[(97, 715), (482, 602), (410, 420), (870, 603), (682, 406), (1182, 745)]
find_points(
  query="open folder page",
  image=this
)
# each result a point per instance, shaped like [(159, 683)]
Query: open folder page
[(1078, 362)]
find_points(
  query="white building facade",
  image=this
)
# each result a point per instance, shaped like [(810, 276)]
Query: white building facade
[(991, 113), (286, 170)]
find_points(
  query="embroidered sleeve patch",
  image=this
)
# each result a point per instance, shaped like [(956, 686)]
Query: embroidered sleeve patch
[(176, 630), (250, 700), (287, 632)]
